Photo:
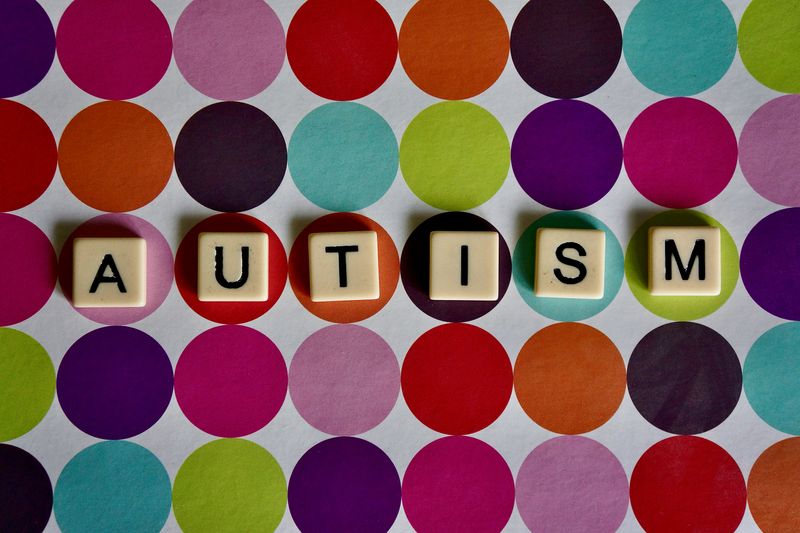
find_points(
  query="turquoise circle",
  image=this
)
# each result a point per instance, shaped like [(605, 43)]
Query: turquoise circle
[(566, 309), (343, 156), (771, 376), (113, 486), (679, 47)]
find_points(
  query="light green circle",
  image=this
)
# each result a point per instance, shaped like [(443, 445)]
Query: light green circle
[(679, 307), (454, 155), (769, 43), (229, 485), (27, 383)]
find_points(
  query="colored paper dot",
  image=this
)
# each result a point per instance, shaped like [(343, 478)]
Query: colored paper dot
[(453, 49), (343, 156), (115, 156), (566, 48), (572, 484), (26, 496), (566, 154), (569, 378), (566, 309), (680, 153), (27, 269), (457, 379), (679, 307), (27, 46), (344, 379), (682, 47), (773, 488), (341, 50), (414, 268), (114, 382), (684, 378), (344, 484), (229, 486), (230, 156), (687, 484), (769, 38), (27, 383), (458, 484), (230, 381), (113, 486), (229, 49), (771, 263), (454, 155)]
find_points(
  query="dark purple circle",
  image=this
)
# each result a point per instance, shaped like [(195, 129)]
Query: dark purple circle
[(566, 48), (230, 156), (344, 484), (684, 378), (26, 494), (114, 382), (770, 263), (566, 154), (27, 46), (415, 260)]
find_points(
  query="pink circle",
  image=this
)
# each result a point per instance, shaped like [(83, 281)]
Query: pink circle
[(572, 484), (680, 153), (344, 379), (27, 269), (159, 265), (230, 381), (770, 150), (229, 49), (112, 49), (458, 484)]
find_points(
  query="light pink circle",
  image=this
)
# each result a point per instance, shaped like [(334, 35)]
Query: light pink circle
[(230, 381), (159, 265), (229, 49), (27, 269), (344, 379)]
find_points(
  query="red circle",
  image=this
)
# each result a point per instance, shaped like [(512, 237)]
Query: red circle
[(229, 312), (28, 155), (457, 379), (341, 49), (687, 484)]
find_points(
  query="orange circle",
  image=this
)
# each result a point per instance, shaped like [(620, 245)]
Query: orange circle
[(454, 49), (353, 310), (773, 488), (569, 378), (115, 156)]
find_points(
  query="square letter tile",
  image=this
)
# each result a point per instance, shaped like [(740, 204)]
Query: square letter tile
[(232, 267), (464, 265), (343, 266), (570, 263), (109, 272), (685, 261)]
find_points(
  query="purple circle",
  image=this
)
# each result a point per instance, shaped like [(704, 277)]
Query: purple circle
[(114, 382), (26, 494), (770, 263), (566, 154), (344, 484), (27, 46), (572, 484)]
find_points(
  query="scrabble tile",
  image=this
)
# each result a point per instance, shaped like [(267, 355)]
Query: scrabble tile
[(570, 263), (464, 265), (684, 261), (343, 266), (109, 272), (232, 267)]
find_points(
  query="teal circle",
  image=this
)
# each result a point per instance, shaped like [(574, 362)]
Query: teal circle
[(343, 156), (679, 47), (566, 309), (771, 376), (113, 486)]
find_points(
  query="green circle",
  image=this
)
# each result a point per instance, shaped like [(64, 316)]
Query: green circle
[(769, 43), (343, 156), (679, 307), (454, 155), (566, 309), (771, 375), (27, 383), (229, 485)]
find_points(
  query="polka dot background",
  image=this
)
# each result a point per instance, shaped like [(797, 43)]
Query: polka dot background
[(26, 30), (26, 494), (768, 41), (773, 489)]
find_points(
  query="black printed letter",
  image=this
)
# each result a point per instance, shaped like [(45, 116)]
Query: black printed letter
[(698, 254), (342, 251), (570, 262), (219, 272), (100, 277)]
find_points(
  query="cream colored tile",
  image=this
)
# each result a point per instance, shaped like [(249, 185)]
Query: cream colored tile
[(343, 266), (109, 272), (570, 263), (685, 261), (464, 265), (233, 267)]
